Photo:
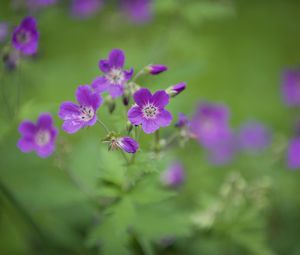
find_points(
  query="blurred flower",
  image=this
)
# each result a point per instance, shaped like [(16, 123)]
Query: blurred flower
[(156, 69), (176, 89), (11, 59), (139, 11), (223, 151), (293, 155), (126, 143), (85, 8), (149, 111), (3, 31), (254, 136), (210, 124), (26, 37), (79, 116), (291, 87), (183, 121), (174, 176), (37, 4), (39, 137), (115, 77)]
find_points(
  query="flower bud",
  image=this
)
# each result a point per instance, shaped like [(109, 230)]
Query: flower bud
[(126, 143), (156, 69), (176, 89)]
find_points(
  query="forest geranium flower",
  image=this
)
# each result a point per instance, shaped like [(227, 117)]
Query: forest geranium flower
[(254, 136), (79, 116), (85, 8), (156, 69), (3, 31), (26, 37), (115, 77), (293, 154), (176, 89), (149, 110), (126, 144), (139, 11), (174, 176), (211, 124), (291, 87), (39, 137)]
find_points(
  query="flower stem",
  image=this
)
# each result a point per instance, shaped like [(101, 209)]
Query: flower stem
[(157, 142), (125, 157), (4, 97), (139, 74), (103, 125)]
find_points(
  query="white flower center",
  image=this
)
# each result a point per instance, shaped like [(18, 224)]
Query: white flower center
[(115, 76), (24, 36), (150, 111), (86, 113), (42, 137)]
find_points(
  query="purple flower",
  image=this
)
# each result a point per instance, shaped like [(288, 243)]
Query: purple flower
[(291, 87), (39, 137), (138, 10), (115, 77), (79, 116), (3, 31), (156, 69), (126, 144), (85, 8), (210, 124), (149, 110), (26, 37), (183, 121), (254, 136), (223, 151), (174, 176), (293, 154), (176, 89)]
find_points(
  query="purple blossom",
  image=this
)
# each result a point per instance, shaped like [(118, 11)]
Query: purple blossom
[(149, 110), (79, 116), (291, 87), (210, 124), (3, 31), (26, 37), (254, 136), (174, 176), (183, 121), (293, 154), (156, 69), (39, 137), (85, 8), (139, 11), (115, 77), (126, 144), (176, 89)]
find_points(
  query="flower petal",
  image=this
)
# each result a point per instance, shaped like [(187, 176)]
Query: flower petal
[(27, 128), (116, 58), (72, 126), (293, 155), (45, 121), (104, 65), (135, 115), (68, 111), (128, 144), (100, 84), (87, 97), (142, 96), (45, 151), (115, 90), (164, 118), (149, 126), (160, 98), (128, 74), (26, 144)]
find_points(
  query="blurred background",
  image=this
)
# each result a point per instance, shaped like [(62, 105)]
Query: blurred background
[(228, 52)]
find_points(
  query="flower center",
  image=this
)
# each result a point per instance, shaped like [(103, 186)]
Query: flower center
[(150, 111), (23, 36), (115, 76), (42, 137), (86, 113)]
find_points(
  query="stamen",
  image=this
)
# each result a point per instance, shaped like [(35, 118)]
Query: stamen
[(42, 137), (115, 76), (87, 113), (150, 111)]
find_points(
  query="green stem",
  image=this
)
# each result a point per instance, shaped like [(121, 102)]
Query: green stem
[(139, 74), (157, 142), (4, 98), (124, 156), (103, 125)]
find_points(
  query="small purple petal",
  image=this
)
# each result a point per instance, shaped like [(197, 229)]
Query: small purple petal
[(174, 176), (149, 126), (104, 65), (128, 74), (45, 121), (138, 10), (27, 128), (135, 115), (45, 151), (293, 154), (164, 118), (128, 144), (115, 90), (157, 69), (160, 98), (142, 96), (68, 110), (291, 87), (178, 88), (85, 8), (100, 84), (85, 96), (26, 144), (116, 58)]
